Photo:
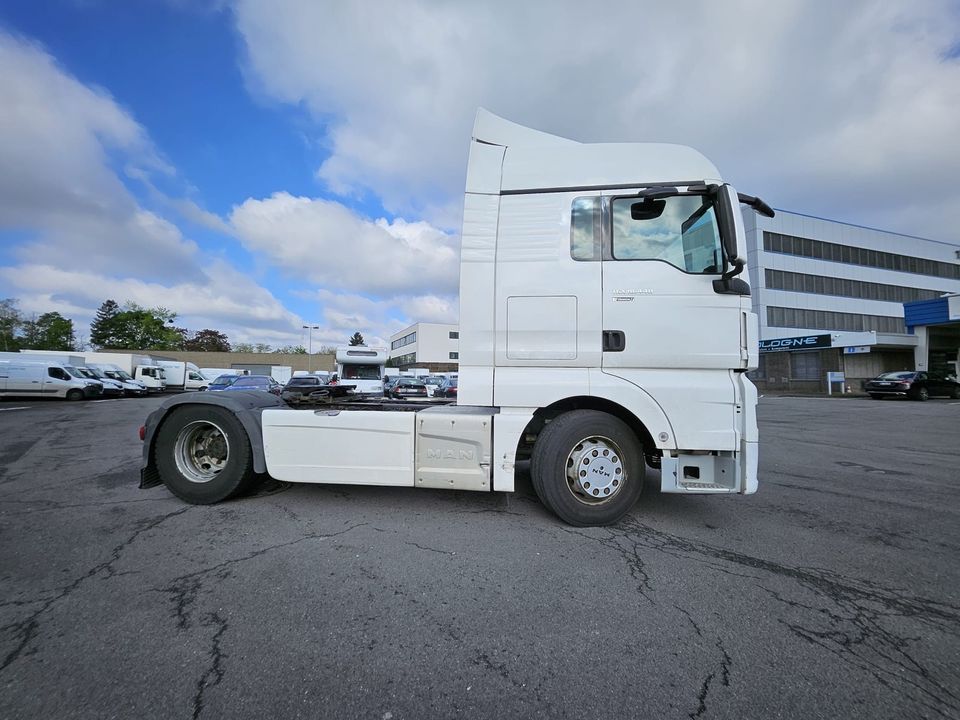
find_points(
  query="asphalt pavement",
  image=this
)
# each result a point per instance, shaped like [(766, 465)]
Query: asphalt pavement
[(834, 592)]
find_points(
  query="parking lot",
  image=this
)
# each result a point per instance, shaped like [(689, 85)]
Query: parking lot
[(832, 593)]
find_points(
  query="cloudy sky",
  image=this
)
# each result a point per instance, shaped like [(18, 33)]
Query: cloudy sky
[(258, 166)]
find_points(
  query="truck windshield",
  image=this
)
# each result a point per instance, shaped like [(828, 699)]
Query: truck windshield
[(360, 372), (118, 375), (681, 230), (75, 372)]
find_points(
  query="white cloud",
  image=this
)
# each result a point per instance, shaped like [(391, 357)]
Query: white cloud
[(848, 110), (81, 235), (227, 300), (328, 244), (59, 143)]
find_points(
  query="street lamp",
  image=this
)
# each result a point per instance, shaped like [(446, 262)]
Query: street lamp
[(310, 329)]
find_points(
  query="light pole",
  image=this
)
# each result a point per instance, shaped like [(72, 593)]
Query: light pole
[(310, 329)]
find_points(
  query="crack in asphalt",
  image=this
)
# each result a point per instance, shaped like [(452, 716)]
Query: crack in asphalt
[(183, 590), (215, 670), (630, 555), (855, 613), (424, 547), (25, 631)]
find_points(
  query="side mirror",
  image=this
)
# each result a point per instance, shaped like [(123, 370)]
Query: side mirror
[(728, 223)]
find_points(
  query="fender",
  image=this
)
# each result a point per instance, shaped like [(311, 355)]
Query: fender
[(245, 404)]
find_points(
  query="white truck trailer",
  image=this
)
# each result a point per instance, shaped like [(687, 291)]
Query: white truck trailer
[(604, 328), (182, 376)]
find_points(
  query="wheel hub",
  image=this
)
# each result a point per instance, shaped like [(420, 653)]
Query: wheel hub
[(595, 470), (201, 451)]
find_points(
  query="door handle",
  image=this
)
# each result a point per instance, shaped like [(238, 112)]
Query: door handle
[(614, 341)]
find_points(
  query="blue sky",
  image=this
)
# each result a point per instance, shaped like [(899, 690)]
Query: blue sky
[(257, 166)]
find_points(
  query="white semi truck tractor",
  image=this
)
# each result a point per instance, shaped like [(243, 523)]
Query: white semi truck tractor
[(605, 327)]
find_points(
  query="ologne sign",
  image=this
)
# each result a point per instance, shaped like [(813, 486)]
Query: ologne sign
[(806, 342)]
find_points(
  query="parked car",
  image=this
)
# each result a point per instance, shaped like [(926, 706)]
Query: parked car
[(264, 383), (913, 385), (406, 387), (222, 382), (447, 389), (305, 389), (432, 382), (111, 388)]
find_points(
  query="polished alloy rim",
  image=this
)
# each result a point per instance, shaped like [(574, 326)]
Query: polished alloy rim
[(595, 471), (202, 451)]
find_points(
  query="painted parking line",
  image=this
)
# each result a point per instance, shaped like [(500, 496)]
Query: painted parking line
[(27, 407)]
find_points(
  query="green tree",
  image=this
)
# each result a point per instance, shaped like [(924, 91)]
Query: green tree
[(103, 328), (138, 328), (292, 350), (50, 331), (208, 341), (10, 323), (242, 347), (261, 348), (357, 339)]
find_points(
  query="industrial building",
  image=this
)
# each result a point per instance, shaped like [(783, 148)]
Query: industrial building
[(831, 298), (435, 346)]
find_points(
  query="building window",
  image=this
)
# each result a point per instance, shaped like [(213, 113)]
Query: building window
[(408, 359), (404, 341), (805, 247), (844, 287), (454, 335), (454, 356), (825, 320)]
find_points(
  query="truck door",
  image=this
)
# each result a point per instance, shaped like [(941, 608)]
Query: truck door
[(660, 309), (665, 328)]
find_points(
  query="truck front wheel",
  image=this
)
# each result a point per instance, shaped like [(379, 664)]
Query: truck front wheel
[(203, 455), (588, 468)]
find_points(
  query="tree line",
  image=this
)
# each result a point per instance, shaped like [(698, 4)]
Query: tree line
[(126, 327)]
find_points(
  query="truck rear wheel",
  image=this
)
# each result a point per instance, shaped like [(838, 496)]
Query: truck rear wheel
[(588, 468), (203, 455)]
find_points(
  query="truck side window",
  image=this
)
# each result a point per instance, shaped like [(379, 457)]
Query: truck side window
[(681, 230), (585, 229), (57, 373)]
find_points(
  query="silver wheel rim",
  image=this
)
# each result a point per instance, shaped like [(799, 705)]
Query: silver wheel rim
[(595, 471), (201, 451)]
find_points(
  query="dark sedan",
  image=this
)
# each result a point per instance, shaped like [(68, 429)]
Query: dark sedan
[(305, 389), (913, 385), (408, 387), (264, 383), (447, 389)]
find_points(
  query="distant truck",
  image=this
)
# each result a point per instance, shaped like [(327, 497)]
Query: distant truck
[(140, 367), (182, 375)]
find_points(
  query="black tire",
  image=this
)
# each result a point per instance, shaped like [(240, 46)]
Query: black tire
[(922, 395), (956, 393), (584, 436), (74, 395), (224, 471)]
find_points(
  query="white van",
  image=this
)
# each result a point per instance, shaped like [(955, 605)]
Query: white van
[(44, 379)]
